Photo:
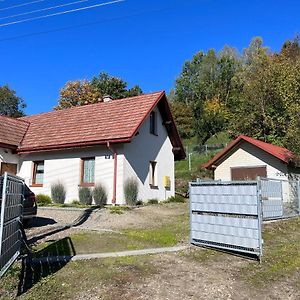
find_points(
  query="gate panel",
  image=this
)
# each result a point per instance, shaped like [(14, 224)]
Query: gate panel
[(272, 198), (226, 215), (11, 201)]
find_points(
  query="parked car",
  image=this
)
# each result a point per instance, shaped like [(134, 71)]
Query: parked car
[(29, 205)]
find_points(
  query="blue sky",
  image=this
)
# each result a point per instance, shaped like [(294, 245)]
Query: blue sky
[(144, 42)]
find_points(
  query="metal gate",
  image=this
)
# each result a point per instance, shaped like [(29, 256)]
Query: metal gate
[(11, 203), (226, 215)]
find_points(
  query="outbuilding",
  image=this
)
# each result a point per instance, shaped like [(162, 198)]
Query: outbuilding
[(246, 158)]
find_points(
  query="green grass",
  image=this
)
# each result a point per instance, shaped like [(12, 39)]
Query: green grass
[(281, 258)]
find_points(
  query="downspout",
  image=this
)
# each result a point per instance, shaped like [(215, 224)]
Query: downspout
[(115, 173)]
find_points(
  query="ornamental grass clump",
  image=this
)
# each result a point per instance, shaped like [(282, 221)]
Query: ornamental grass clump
[(100, 194), (85, 196), (58, 193), (131, 191)]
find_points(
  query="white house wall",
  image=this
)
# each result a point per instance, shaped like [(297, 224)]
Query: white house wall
[(147, 147), (65, 166), (247, 155)]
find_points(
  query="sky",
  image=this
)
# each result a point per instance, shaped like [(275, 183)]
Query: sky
[(141, 41)]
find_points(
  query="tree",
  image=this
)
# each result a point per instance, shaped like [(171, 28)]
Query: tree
[(81, 92), (10, 104), (114, 86), (77, 93), (204, 79), (184, 119)]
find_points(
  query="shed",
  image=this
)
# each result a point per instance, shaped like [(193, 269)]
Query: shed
[(246, 158)]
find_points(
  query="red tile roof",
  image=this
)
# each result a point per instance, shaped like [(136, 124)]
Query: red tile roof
[(94, 124), (12, 131), (281, 153)]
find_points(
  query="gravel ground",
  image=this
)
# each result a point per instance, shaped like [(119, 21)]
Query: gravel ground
[(48, 220)]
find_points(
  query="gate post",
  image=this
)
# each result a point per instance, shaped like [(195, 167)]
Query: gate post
[(259, 216), (4, 187)]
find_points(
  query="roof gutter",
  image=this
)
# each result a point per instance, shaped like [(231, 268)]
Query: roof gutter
[(113, 150)]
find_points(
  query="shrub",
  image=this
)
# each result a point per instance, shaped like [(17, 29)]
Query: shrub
[(75, 202), (43, 199), (152, 201), (58, 193), (131, 191), (176, 199), (85, 195), (100, 194)]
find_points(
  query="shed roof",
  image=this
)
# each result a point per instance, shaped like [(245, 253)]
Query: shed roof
[(116, 121), (281, 153)]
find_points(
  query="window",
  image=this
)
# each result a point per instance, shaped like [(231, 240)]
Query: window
[(38, 173), (87, 171), (152, 174), (153, 127)]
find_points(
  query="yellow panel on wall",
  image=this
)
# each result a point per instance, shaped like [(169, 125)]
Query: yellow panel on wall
[(167, 182)]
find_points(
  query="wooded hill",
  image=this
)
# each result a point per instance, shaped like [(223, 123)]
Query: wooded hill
[(256, 93)]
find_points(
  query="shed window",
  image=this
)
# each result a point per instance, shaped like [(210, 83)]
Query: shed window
[(152, 174), (153, 123), (88, 171), (248, 173), (38, 173)]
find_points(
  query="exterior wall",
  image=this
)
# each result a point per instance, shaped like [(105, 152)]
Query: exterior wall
[(7, 157), (147, 147), (248, 155), (65, 166)]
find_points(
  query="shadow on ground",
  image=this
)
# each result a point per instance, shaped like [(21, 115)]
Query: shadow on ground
[(52, 258), (40, 222), (79, 221), (36, 266)]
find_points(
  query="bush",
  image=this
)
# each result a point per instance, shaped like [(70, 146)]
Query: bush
[(131, 191), (43, 199), (100, 194), (58, 193), (152, 201), (176, 199), (85, 196), (75, 202)]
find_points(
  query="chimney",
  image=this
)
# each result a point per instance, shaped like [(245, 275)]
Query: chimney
[(107, 98)]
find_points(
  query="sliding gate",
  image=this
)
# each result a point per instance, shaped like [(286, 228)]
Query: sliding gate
[(11, 203), (226, 215)]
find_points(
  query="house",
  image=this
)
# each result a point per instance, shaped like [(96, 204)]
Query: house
[(107, 142), (246, 158)]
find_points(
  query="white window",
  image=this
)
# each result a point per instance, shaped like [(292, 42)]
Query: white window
[(87, 171)]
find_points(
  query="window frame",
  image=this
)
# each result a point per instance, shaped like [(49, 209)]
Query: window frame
[(153, 123), (153, 174), (82, 183), (34, 172)]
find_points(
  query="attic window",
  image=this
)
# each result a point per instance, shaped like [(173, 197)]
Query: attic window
[(153, 123)]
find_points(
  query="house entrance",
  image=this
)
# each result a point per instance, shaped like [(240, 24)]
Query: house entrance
[(9, 168)]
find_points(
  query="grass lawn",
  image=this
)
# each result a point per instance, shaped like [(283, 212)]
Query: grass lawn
[(110, 278)]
